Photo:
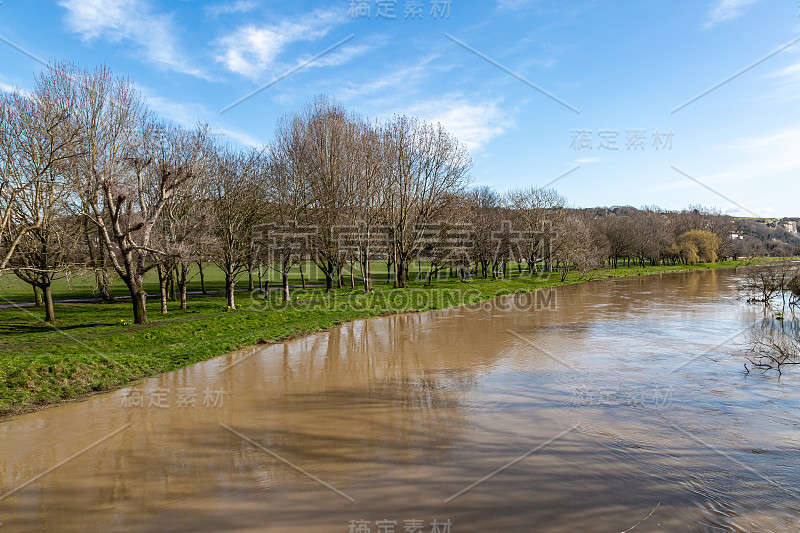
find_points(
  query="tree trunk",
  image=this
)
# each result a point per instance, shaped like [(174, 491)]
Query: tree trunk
[(401, 281), (302, 275), (202, 277), (230, 285), (101, 274), (162, 288), (352, 279), (37, 296), (49, 309), (183, 280), (173, 275), (139, 300), (365, 273), (285, 278), (250, 285), (103, 284)]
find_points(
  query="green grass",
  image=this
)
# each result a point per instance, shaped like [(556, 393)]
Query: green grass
[(90, 348)]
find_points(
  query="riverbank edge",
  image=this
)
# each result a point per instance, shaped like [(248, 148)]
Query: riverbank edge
[(10, 412)]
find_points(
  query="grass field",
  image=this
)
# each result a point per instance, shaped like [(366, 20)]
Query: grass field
[(92, 348), (81, 284)]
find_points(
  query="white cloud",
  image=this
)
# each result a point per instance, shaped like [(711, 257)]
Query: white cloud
[(725, 10), (8, 88), (407, 91), (130, 20), (736, 211), (474, 123), (252, 49), (241, 137)]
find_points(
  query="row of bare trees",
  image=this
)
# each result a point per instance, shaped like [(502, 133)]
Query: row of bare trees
[(543, 230), (91, 178)]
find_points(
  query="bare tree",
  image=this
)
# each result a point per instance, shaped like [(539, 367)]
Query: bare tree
[(765, 282), (123, 187), (331, 173), (772, 345), (574, 247), (368, 202), (651, 236), (286, 238), (36, 139), (182, 230), (535, 209), (620, 233), (44, 143), (487, 218), (235, 205), (428, 169)]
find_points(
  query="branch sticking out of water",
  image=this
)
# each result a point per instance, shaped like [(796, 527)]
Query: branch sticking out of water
[(643, 519)]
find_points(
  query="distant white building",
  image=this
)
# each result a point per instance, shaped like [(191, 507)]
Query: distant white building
[(788, 225)]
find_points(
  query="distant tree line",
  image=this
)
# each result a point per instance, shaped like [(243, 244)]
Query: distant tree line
[(90, 178)]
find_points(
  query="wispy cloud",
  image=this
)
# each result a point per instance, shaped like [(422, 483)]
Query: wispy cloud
[(340, 56), (130, 20), (585, 160), (230, 8), (405, 79), (513, 5), (253, 50), (786, 84), (767, 156), (725, 10), (190, 114), (753, 159), (770, 160)]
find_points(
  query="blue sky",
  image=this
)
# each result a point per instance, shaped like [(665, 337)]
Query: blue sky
[(527, 84)]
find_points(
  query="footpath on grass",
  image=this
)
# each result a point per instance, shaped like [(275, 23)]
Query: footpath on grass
[(94, 347)]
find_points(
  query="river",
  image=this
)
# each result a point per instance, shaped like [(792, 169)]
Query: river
[(607, 405)]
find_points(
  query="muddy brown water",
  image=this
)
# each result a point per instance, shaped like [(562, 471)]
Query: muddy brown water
[(613, 404)]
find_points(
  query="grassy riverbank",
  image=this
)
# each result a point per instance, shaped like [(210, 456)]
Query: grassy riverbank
[(92, 348)]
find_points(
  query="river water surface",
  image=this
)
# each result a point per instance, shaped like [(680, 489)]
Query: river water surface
[(609, 405)]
